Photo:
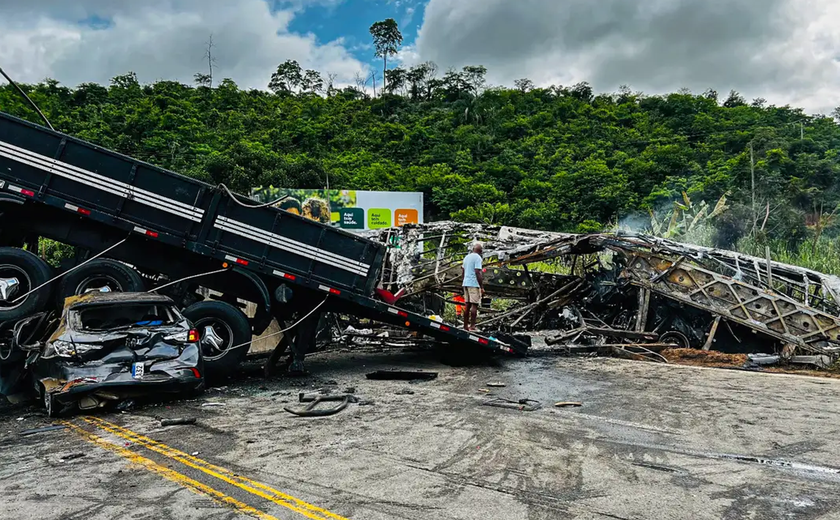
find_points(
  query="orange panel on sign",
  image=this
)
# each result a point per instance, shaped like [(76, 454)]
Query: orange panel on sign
[(405, 216)]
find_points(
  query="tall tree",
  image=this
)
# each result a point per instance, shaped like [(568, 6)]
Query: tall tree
[(734, 100), (312, 82), (419, 78), (288, 77), (331, 90), (387, 39), (210, 60), (126, 81), (203, 80), (473, 76), (395, 80), (524, 85), (360, 80)]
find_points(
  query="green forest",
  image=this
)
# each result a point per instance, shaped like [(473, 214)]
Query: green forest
[(561, 158)]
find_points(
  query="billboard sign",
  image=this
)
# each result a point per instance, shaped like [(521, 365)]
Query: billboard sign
[(348, 209)]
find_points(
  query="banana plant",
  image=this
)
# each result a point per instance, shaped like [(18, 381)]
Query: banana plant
[(686, 217)]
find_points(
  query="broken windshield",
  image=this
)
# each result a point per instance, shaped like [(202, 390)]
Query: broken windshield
[(125, 315)]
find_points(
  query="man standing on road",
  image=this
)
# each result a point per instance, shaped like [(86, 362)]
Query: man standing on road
[(473, 286)]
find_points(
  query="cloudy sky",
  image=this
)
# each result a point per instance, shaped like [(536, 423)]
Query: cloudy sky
[(787, 51)]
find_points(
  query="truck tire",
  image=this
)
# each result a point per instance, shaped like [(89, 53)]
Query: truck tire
[(221, 326), (98, 274), (20, 272)]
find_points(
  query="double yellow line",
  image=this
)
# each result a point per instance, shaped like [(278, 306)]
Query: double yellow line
[(251, 486)]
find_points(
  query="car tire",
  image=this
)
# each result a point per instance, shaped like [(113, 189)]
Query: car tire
[(102, 272), (30, 272), (230, 328)]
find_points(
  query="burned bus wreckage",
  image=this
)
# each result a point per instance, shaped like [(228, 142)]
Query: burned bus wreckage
[(622, 293)]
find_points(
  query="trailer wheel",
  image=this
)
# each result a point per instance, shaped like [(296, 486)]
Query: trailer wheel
[(221, 327), (20, 272), (103, 275), (676, 338)]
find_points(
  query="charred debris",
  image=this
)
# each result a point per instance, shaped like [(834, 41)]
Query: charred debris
[(621, 294)]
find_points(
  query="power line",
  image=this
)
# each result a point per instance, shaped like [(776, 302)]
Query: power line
[(22, 93)]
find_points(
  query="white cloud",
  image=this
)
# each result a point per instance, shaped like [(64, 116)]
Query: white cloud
[(408, 16), (161, 39), (787, 51)]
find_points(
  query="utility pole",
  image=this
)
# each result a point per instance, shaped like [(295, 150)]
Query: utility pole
[(752, 178)]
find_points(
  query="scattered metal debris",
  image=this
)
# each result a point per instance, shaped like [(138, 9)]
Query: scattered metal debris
[(43, 429), (524, 405), (568, 404), (496, 385), (401, 375), (205, 405), (71, 456), (126, 405), (622, 294), (180, 420), (311, 410)]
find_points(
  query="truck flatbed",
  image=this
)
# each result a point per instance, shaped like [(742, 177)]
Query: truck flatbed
[(59, 187)]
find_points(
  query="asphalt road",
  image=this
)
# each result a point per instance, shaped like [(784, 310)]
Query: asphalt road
[(650, 441)]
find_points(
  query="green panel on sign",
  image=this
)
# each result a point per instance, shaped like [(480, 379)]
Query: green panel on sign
[(379, 218), (352, 218)]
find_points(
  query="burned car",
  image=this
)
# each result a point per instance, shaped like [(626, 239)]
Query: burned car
[(108, 347)]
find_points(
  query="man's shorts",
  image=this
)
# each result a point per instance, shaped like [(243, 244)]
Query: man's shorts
[(472, 295)]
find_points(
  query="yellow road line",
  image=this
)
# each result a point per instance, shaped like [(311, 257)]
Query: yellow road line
[(169, 474), (251, 486)]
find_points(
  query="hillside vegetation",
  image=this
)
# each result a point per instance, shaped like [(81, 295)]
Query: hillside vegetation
[(559, 158)]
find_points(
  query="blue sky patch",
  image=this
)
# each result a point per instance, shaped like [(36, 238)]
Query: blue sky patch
[(96, 22), (351, 20)]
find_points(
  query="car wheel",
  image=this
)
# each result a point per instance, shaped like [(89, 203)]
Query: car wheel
[(20, 272), (225, 335), (103, 275)]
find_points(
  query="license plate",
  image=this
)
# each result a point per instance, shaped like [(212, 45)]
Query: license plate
[(137, 370)]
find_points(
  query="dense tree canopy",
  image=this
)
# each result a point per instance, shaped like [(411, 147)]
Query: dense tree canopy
[(558, 158)]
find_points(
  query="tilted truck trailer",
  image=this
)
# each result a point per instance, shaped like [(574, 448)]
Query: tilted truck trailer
[(157, 226)]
